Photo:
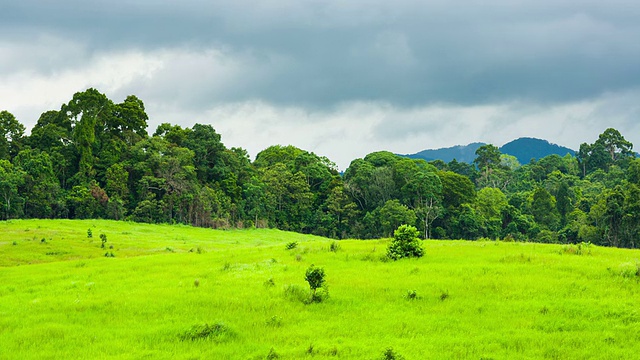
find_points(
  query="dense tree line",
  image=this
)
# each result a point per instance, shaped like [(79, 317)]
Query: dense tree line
[(93, 158)]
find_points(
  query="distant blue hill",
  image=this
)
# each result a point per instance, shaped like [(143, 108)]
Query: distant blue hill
[(524, 149)]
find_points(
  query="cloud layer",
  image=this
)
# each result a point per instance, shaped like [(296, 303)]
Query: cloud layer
[(340, 78)]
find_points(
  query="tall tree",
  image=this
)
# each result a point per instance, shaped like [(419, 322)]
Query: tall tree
[(11, 133), (11, 178), (615, 144)]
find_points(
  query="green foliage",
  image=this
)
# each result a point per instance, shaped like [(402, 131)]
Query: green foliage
[(390, 354), (315, 277), (334, 247), (405, 243), (93, 158), (412, 295), (291, 245)]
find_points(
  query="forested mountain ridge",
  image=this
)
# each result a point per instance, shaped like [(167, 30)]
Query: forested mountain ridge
[(524, 149), (93, 158)]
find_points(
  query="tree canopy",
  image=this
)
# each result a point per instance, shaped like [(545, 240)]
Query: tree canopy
[(94, 158)]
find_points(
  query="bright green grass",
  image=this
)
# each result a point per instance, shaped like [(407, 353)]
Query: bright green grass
[(62, 299)]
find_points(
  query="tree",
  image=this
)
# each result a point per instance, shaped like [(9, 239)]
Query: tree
[(615, 144), (41, 188), (342, 209), (488, 157), (456, 189), (543, 208), (563, 202), (88, 111), (405, 243), (315, 277), (11, 133), (490, 202), (393, 214), (10, 179)]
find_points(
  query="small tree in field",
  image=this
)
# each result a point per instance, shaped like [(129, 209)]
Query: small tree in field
[(315, 278), (405, 243)]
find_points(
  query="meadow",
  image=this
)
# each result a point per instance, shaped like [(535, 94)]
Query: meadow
[(178, 292)]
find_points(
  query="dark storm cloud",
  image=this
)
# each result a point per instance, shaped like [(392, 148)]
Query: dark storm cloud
[(322, 53)]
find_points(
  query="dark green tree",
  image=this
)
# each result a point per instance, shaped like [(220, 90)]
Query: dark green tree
[(11, 135)]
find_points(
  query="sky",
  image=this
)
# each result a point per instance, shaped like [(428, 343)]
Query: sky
[(339, 78)]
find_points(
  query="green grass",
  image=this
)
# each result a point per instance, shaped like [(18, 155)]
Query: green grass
[(62, 298)]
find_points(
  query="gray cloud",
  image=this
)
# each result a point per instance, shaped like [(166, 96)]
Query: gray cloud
[(434, 73), (404, 52)]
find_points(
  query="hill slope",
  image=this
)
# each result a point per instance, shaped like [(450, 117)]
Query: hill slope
[(462, 153), (524, 149), (463, 299)]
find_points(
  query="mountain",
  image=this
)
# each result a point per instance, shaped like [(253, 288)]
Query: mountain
[(462, 153), (524, 149)]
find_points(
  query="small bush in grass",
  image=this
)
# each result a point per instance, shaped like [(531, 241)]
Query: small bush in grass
[(405, 243), (315, 277), (444, 295), (89, 233), (109, 254), (269, 283), (292, 245), (412, 295), (272, 355), (15, 242), (334, 247), (217, 332), (390, 354), (103, 239)]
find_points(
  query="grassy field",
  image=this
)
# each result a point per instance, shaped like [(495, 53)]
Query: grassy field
[(168, 286)]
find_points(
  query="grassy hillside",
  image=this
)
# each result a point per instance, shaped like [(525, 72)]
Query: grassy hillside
[(62, 298)]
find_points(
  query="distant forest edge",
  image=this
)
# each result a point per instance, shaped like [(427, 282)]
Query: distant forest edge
[(93, 158), (524, 149)]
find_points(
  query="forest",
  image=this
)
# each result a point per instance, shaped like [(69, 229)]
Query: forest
[(93, 158)]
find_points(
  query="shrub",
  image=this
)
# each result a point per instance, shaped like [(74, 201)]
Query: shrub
[(269, 283), (412, 295), (389, 354), (405, 243), (89, 233), (103, 239), (334, 247), (292, 245), (315, 277), (272, 355)]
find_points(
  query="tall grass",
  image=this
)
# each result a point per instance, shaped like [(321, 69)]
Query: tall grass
[(503, 300)]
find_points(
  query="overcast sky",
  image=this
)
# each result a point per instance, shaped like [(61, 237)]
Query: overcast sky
[(339, 78)]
